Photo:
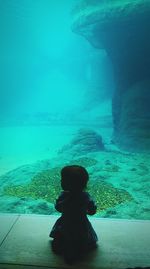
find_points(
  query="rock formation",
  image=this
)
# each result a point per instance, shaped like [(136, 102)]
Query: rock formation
[(122, 29), (85, 141)]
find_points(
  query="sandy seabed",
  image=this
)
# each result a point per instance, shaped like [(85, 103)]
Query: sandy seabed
[(25, 151)]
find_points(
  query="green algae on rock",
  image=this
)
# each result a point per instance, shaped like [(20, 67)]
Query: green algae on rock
[(46, 185), (106, 196)]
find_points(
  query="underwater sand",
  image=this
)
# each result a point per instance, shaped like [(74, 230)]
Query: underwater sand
[(26, 151), (26, 145)]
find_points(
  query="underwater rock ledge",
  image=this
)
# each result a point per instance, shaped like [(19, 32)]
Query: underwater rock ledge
[(85, 141), (122, 29)]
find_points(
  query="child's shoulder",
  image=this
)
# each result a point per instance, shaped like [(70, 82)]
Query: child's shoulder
[(86, 195), (64, 194)]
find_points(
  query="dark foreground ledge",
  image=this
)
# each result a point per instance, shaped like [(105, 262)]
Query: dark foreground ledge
[(24, 243)]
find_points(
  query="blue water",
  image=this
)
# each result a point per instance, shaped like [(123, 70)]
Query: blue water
[(53, 85)]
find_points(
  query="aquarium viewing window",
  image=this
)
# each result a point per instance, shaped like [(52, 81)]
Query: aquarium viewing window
[(75, 90)]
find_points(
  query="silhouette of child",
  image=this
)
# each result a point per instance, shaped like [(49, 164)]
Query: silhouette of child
[(73, 233)]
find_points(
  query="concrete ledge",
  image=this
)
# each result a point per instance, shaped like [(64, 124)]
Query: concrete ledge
[(24, 243)]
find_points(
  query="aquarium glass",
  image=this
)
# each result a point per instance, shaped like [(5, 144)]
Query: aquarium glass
[(61, 103)]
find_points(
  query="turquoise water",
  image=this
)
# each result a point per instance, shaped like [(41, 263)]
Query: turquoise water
[(29, 144), (26, 145), (56, 109)]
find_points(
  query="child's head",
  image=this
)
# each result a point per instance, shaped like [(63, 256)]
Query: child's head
[(74, 178)]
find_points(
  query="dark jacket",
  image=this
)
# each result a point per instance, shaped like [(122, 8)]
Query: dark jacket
[(73, 224)]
